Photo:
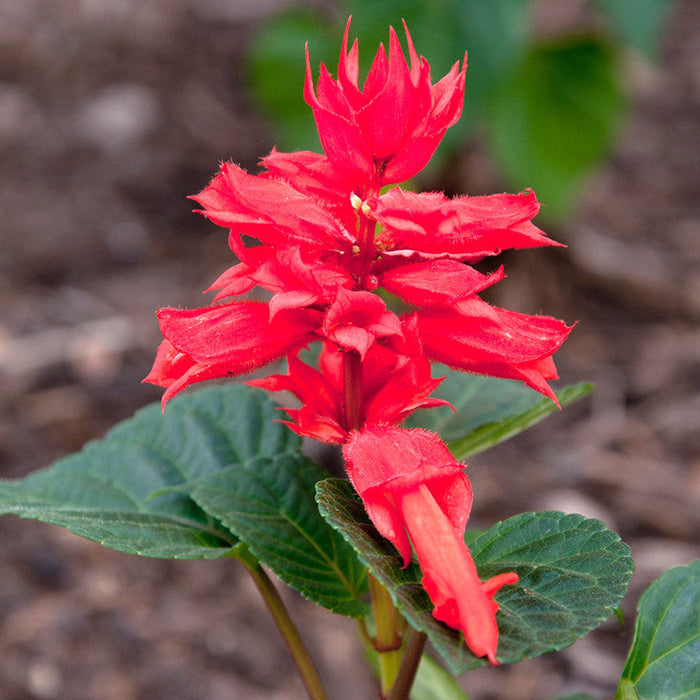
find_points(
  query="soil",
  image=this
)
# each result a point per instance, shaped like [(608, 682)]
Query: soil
[(111, 114)]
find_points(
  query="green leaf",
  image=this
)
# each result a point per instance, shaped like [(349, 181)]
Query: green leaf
[(555, 116), (638, 22), (129, 490), (491, 434), (487, 410), (663, 662), (269, 504), (490, 61), (434, 682), (573, 572), (276, 69)]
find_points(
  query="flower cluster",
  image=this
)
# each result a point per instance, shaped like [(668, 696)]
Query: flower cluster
[(328, 237)]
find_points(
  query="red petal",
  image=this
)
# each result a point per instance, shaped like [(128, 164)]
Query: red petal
[(450, 576), (437, 282), (313, 174), (269, 210), (170, 364), (382, 457), (239, 335), (356, 319), (464, 227), (488, 340)]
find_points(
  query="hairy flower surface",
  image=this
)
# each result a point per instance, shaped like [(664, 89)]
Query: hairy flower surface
[(416, 494), (323, 254)]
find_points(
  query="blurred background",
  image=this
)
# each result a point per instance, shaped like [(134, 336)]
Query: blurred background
[(112, 112)]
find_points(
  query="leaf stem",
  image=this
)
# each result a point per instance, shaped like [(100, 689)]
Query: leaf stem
[(409, 666), (280, 614), (387, 640)]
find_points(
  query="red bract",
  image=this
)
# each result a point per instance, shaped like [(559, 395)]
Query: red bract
[(465, 228), (395, 382), (485, 339), (387, 131), (416, 494), (223, 341)]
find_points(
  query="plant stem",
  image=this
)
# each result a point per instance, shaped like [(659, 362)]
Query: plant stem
[(352, 386), (280, 614), (409, 666), (387, 640)]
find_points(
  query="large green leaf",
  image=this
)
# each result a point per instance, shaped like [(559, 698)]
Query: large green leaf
[(573, 572), (664, 662), (554, 118), (487, 410), (128, 491), (269, 504)]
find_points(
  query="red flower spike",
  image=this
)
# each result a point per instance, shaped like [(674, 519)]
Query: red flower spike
[(416, 494), (387, 131)]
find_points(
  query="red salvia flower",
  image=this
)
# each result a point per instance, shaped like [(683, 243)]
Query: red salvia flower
[(327, 242), (387, 131), (416, 494)]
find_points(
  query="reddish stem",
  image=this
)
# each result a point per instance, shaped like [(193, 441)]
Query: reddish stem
[(352, 386)]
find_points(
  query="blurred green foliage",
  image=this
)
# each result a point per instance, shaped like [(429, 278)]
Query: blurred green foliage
[(548, 107)]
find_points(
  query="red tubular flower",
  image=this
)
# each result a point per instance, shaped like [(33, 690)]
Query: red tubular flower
[(356, 319), (465, 228), (487, 340), (224, 341), (387, 131), (416, 494), (395, 382), (270, 210)]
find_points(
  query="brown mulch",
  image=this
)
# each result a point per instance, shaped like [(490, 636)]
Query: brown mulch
[(111, 113)]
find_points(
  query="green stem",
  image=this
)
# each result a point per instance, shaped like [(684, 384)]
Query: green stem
[(626, 691), (409, 666), (387, 640), (280, 614)]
